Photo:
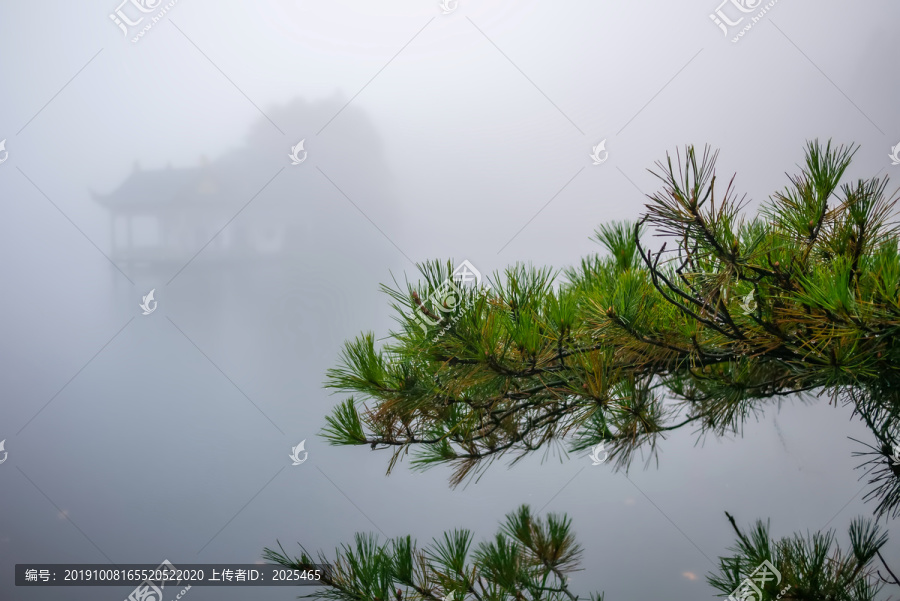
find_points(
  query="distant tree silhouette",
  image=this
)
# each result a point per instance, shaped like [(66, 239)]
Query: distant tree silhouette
[(293, 217)]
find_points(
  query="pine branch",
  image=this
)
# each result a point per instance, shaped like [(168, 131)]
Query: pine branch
[(740, 312)]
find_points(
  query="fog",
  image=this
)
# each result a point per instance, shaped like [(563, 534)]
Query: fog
[(136, 438)]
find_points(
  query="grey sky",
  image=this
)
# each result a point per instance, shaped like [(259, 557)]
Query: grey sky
[(455, 136)]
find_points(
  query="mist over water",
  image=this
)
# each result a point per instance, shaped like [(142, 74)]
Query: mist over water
[(136, 438)]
